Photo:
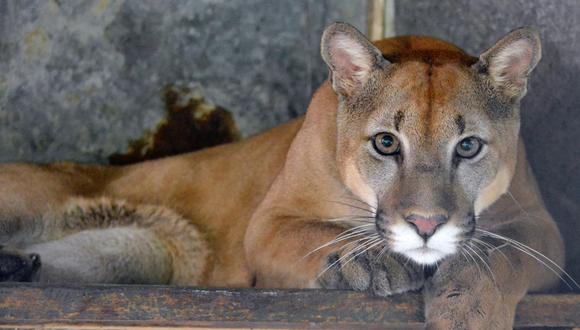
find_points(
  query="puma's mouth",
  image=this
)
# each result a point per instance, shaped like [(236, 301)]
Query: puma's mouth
[(444, 242), (425, 255)]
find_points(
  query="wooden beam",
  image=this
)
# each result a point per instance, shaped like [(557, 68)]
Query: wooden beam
[(381, 19), (545, 310), (164, 307), (376, 19)]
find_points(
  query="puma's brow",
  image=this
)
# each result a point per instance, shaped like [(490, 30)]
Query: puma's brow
[(460, 122), (399, 116)]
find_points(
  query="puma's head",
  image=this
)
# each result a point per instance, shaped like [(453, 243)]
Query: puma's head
[(427, 134)]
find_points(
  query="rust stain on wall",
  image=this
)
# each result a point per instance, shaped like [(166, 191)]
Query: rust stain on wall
[(190, 124), (35, 43), (101, 7)]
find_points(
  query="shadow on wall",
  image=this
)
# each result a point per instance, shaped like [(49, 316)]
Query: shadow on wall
[(551, 134)]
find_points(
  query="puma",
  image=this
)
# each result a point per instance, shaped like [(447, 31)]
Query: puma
[(409, 157)]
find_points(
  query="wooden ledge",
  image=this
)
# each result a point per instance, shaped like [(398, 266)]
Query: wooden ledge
[(164, 306)]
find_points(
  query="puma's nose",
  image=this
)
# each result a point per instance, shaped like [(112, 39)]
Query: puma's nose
[(426, 225)]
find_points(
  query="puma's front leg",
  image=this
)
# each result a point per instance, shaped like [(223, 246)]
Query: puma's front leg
[(481, 288), (464, 295), (293, 253)]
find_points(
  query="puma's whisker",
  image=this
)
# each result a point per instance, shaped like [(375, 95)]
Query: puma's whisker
[(518, 204), (463, 254), (357, 248), (372, 208), (521, 249), (343, 236), (473, 259), (381, 253), (350, 205), (334, 241), (354, 218), (407, 259), (473, 249), (360, 247), (375, 243), (534, 254), (350, 233), (356, 241), (492, 248), (356, 229)]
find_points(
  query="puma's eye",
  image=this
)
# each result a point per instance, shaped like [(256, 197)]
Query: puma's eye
[(468, 147), (386, 144)]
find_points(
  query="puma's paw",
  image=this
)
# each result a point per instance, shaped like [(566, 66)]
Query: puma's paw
[(461, 295), (468, 310), (381, 274), (18, 267)]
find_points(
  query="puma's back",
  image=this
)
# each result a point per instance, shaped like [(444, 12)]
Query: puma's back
[(422, 49)]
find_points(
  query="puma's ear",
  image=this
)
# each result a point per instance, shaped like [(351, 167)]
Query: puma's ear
[(510, 61), (350, 56)]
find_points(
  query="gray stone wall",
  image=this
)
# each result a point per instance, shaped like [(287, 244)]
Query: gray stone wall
[(551, 110), (80, 79)]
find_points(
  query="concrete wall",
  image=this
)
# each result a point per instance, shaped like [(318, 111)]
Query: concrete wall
[(79, 79), (551, 110)]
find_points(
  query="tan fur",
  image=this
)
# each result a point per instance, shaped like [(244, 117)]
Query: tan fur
[(216, 190), (494, 190), (187, 247), (250, 212)]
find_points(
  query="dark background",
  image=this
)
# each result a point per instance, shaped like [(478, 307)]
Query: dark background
[(80, 79)]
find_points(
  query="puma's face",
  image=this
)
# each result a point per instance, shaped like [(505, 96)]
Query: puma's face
[(430, 138)]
